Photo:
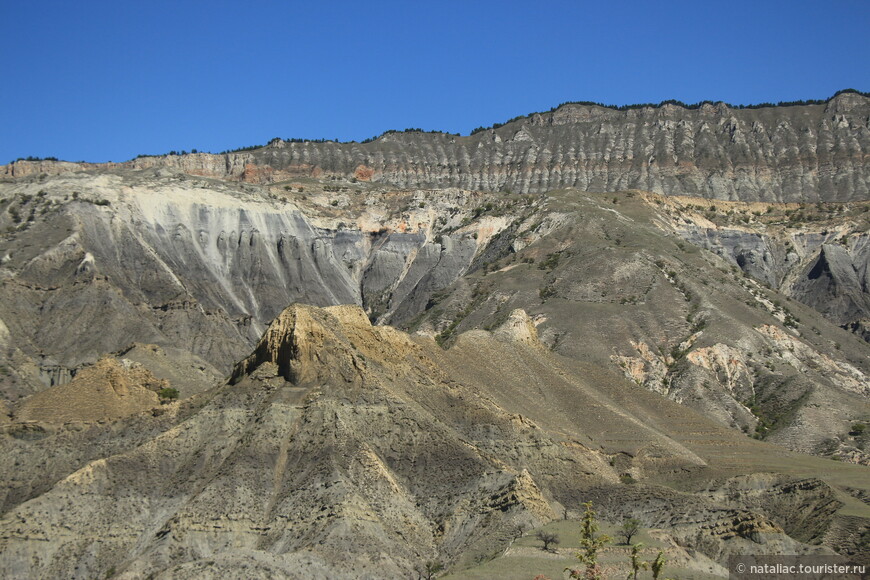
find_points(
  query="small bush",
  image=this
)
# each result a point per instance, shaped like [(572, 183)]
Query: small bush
[(546, 292), (168, 393), (550, 262)]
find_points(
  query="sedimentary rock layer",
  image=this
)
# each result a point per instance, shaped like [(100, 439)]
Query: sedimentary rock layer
[(778, 153)]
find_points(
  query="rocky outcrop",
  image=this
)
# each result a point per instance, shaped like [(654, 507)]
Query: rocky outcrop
[(105, 391), (611, 283), (342, 448), (519, 328), (817, 254), (202, 267), (787, 153), (837, 283), (393, 472), (804, 508)]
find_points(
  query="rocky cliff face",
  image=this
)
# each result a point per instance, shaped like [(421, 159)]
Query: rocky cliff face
[(565, 347), (102, 392), (817, 254), (801, 153), (609, 279)]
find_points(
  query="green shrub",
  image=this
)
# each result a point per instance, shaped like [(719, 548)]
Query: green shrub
[(546, 292), (550, 262), (168, 393)]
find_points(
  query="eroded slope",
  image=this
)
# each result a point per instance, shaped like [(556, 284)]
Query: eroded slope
[(346, 450)]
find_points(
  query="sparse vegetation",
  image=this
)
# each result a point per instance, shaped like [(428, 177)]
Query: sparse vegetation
[(547, 539), (550, 262), (673, 102), (546, 292), (32, 158), (429, 570), (629, 529), (657, 566), (590, 543), (168, 394), (636, 563), (446, 334)]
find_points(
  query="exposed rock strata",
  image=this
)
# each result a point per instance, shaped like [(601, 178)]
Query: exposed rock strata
[(206, 268), (788, 153), (820, 259)]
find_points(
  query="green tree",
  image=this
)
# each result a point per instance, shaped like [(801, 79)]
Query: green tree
[(658, 565), (629, 528), (636, 563), (168, 393), (547, 538), (590, 543)]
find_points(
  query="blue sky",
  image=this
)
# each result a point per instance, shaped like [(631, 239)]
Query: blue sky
[(100, 81)]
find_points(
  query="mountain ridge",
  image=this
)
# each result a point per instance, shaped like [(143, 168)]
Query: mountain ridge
[(794, 153), (674, 102)]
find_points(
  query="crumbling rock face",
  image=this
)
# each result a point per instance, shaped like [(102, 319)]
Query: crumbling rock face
[(788, 153), (828, 271), (837, 284), (804, 508), (815, 253), (386, 472), (710, 523), (205, 267)]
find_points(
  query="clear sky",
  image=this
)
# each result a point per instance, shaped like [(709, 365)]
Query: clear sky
[(107, 80)]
